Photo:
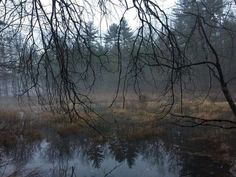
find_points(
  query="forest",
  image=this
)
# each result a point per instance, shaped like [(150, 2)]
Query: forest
[(93, 82)]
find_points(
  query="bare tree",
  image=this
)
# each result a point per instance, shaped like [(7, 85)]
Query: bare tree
[(57, 60)]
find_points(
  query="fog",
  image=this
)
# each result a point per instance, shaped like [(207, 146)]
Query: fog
[(118, 71)]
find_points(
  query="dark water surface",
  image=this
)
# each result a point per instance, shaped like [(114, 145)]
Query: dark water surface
[(181, 152)]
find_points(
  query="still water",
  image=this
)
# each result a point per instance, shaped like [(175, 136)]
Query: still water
[(176, 154)]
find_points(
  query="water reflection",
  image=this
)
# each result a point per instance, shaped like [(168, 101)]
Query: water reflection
[(169, 156)]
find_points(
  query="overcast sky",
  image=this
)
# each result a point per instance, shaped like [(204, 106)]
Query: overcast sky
[(130, 15)]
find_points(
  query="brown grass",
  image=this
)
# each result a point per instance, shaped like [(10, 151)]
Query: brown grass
[(13, 126), (207, 110), (136, 121)]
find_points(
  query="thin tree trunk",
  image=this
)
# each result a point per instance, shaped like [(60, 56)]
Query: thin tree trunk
[(221, 78), (229, 99)]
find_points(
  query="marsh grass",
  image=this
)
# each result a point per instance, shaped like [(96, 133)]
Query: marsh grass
[(207, 109), (138, 120), (14, 126), (122, 124)]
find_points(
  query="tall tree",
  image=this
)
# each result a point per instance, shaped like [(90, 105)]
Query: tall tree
[(111, 38), (119, 33), (126, 33), (199, 29), (91, 35), (173, 54)]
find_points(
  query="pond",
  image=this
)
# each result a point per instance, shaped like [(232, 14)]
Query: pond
[(180, 152)]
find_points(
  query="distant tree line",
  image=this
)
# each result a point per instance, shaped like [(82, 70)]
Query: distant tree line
[(65, 58)]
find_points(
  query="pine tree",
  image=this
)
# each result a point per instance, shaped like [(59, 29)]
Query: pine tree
[(119, 33), (111, 38)]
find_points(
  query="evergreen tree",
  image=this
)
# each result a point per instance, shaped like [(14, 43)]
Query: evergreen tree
[(121, 33), (111, 38), (125, 33), (91, 34)]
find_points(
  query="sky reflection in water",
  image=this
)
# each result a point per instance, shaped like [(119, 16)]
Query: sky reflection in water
[(73, 156)]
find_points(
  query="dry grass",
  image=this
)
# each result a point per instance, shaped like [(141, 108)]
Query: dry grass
[(14, 125), (136, 120), (207, 110)]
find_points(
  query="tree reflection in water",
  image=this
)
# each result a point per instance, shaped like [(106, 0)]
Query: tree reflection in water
[(170, 155)]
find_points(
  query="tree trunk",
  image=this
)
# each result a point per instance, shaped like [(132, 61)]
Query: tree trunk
[(229, 98)]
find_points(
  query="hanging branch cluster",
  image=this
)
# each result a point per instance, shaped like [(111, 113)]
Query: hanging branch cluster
[(61, 55)]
